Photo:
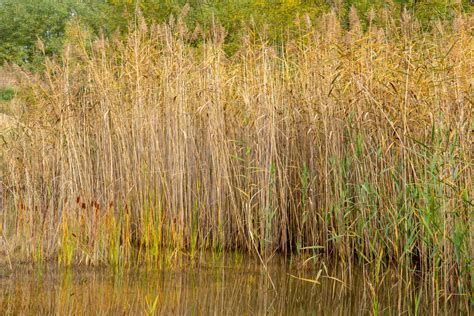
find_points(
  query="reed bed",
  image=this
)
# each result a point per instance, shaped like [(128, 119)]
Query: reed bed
[(351, 145)]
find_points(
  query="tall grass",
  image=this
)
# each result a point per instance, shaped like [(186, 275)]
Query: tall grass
[(347, 144)]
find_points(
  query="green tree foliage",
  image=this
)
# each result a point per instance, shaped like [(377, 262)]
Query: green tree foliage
[(23, 22)]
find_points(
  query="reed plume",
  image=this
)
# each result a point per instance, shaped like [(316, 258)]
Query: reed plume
[(349, 144)]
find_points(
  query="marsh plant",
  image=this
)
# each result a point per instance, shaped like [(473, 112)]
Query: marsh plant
[(351, 145)]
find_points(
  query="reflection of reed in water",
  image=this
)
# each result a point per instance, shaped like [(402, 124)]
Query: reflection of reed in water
[(222, 287), (354, 142)]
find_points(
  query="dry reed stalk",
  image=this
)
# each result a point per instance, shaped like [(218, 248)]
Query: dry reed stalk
[(350, 144)]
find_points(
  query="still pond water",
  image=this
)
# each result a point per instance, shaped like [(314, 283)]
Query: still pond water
[(216, 286)]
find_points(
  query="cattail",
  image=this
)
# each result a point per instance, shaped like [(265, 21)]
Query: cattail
[(333, 137)]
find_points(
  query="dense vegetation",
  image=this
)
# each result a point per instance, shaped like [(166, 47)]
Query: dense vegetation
[(23, 22), (338, 135)]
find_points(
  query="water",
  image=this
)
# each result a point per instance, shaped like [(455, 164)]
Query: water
[(215, 286)]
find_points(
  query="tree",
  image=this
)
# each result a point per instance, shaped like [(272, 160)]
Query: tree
[(24, 22)]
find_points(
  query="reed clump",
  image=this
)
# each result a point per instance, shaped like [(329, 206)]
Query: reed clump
[(354, 145)]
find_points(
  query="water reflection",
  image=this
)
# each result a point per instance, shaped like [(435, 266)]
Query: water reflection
[(217, 286)]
